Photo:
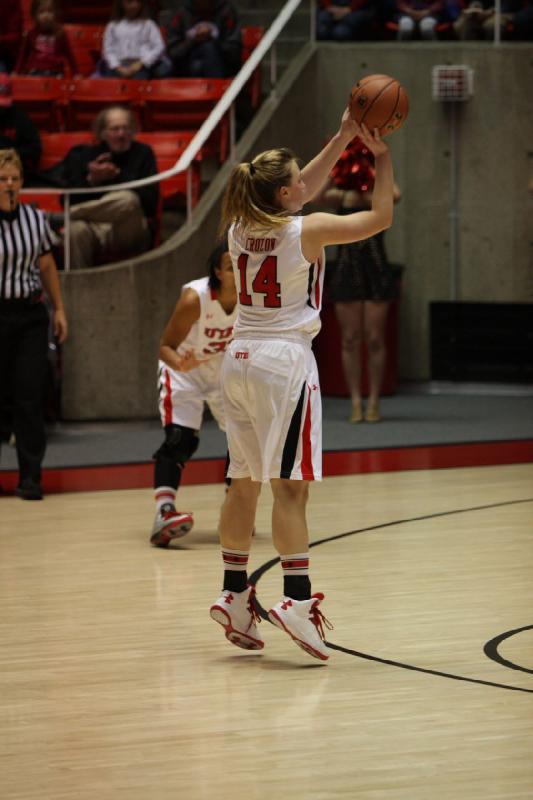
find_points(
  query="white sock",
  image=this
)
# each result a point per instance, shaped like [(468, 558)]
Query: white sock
[(164, 495)]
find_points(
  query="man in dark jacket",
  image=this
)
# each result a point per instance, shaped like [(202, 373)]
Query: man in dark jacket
[(204, 40), (110, 224), (17, 131)]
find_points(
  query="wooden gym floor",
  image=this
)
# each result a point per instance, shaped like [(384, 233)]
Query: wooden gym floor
[(115, 683)]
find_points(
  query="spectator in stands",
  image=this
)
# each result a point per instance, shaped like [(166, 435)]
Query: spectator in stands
[(469, 23), (10, 35), (418, 17), (45, 48), (477, 20), (17, 131), (522, 24), (204, 40), (344, 20), (133, 46), (111, 224)]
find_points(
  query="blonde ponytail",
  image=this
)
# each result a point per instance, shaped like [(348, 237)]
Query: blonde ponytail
[(251, 197)]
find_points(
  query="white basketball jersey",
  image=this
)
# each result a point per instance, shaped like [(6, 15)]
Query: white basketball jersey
[(212, 332), (279, 292)]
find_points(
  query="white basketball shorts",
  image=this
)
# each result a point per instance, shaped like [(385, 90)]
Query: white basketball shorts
[(273, 410), (182, 394)]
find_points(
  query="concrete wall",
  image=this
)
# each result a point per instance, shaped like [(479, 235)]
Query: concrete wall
[(495, 149), (116, 319), (118, 312)]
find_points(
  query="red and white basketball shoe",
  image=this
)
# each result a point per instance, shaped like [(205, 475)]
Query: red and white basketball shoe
[(304, 622), (237, 614), (170, 524)]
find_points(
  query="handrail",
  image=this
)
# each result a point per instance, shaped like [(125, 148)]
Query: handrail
[(207, 127), (221, 108), (184, 162)]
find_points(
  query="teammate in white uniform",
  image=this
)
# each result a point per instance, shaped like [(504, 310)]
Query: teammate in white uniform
[(269, 376), (191, 354)]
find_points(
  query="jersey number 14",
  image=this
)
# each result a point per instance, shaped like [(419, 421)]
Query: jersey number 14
[(265, 282)]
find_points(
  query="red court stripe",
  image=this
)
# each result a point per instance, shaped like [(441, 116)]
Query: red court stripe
[(117, 476), (448, 456), (200, 471)]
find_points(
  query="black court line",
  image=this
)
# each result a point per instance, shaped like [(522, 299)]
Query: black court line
[(492, 648)]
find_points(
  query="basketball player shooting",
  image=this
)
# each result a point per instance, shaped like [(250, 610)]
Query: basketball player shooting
[(269, 375)]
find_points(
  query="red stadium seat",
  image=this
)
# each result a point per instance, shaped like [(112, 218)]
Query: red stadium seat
[(168, 147), (27, 21), (93, 11), (84, 12), (250, 37), (46, 202), (57, 145), (87, 96), (86, 45), (55, 148), (42, 98), (184, 104)]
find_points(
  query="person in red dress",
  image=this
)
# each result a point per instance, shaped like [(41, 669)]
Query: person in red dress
[(45, 48)]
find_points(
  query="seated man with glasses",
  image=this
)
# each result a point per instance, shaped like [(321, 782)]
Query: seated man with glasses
[(110, 225)]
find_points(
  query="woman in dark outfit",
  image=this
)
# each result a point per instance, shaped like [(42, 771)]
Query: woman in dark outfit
[(362, 284), (26, 267)]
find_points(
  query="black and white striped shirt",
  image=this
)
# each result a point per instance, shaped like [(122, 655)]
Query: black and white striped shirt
[(24, 237)]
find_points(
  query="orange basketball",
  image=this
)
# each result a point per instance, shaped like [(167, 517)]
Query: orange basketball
[(380, 102)]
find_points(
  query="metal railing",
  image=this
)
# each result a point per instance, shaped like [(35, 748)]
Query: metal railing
[(224, 105)]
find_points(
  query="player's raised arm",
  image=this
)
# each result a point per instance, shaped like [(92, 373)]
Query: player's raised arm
[(316, 172), (323, 229)]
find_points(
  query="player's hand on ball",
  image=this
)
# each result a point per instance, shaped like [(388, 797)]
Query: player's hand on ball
[(373, 141), (349, 129)]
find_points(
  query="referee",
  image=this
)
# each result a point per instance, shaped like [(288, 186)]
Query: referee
[(26, 267)]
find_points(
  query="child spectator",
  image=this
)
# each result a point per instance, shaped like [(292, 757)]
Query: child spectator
[(45, 49), (418, 16), (133, 46)]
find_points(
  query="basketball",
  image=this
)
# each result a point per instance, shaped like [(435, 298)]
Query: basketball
[(380, 102)]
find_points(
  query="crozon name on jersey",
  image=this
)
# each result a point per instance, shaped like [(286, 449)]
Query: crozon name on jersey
[(265, 245)]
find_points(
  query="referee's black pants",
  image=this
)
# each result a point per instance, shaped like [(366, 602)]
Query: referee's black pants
[(23, 366)]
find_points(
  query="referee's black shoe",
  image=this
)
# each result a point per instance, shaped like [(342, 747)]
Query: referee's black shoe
[(29, 490)]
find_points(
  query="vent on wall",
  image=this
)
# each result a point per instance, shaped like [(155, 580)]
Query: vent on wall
[(452, 83)]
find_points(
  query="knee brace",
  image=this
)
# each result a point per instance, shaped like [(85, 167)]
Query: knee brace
[(179, 445)]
